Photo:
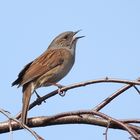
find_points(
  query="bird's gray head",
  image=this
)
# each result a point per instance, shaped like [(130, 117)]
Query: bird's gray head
[(65, 39)]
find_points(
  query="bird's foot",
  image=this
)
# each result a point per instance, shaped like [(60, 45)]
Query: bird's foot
[(61, 93)]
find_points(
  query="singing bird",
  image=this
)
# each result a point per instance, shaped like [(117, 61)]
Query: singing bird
[(48, 68)]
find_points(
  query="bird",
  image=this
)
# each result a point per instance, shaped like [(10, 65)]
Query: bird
[(47, 69)]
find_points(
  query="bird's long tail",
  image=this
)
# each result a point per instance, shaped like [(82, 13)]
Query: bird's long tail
[(27, 92)]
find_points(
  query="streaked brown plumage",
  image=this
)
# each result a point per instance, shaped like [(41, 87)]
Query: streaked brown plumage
[(47, 69)]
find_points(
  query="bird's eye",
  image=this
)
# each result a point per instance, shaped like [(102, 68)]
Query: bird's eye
[(66, 37)]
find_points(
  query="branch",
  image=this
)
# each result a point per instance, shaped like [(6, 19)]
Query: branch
[(74, 118), (81, 84), (84, 117)]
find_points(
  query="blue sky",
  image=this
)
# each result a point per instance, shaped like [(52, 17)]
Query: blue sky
[(111, 48)]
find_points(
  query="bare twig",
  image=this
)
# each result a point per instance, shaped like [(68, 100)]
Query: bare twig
[(131, 121), (136, 89), (5, 113), (10, 128), (106, 131), (111, 97)]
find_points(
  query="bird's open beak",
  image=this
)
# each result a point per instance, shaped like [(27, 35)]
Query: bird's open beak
[(77, 36)]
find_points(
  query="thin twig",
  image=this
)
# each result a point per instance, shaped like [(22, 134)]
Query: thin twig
[(37, 137), (10, 129), (107, 128), (131, 121), (111, 97), (136, 89)]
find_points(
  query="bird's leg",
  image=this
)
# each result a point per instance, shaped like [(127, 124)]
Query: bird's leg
[(61, 93), (38, 96)]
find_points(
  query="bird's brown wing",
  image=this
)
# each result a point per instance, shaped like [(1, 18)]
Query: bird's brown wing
[(46, 62)]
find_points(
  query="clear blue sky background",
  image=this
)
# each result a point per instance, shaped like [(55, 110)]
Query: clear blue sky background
[(111, 48)]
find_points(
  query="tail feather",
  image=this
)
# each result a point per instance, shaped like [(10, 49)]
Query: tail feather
[(27, 92)]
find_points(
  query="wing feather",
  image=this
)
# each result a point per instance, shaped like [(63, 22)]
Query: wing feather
[(46, 62)]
